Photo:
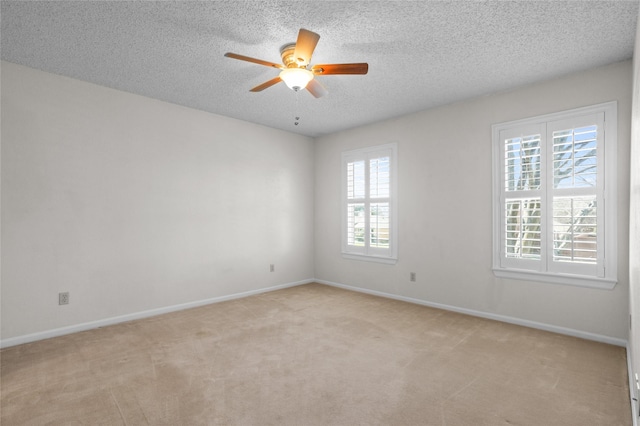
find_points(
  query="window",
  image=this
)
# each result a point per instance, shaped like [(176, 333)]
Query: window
[(555, 197), (369, 230)]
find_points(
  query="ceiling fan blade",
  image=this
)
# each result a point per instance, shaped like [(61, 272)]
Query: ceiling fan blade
[(266, 84), (327, 69), (305, 45), (254, 60), (316, 88)]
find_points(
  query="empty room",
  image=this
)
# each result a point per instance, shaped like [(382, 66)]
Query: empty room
[(320, 213)]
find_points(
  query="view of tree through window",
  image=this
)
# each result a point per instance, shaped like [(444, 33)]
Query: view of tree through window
[(522, 220), (552, 220), (574, 218)]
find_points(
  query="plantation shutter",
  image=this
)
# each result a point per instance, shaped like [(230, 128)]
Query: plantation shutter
[(356, 191), (551, 220), (379, 187), (521, 199), (575, 235), (368, 221)]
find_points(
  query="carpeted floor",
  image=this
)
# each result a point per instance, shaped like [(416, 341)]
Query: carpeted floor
[(314, 355)]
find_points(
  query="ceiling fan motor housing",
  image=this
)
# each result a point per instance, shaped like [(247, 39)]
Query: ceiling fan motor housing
[(288, 59)]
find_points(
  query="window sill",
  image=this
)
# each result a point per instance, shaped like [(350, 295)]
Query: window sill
[(566, 279), (367, 258)]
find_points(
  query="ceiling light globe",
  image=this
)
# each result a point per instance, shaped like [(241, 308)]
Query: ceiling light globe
[(296, 78)]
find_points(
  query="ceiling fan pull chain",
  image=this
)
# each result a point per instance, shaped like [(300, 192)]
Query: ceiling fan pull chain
[(295, 112)]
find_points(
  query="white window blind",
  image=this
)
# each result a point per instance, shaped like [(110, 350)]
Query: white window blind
[(522, 228), (554, 197), (369, 224)]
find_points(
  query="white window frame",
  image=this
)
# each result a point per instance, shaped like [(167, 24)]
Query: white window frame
[(601, 275), (373, 254)]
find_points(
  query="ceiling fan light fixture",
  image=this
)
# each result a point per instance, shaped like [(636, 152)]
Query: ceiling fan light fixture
[(296, 78), (297, 73)]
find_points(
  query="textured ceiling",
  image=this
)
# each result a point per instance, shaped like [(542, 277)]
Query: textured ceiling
[(420, 54)]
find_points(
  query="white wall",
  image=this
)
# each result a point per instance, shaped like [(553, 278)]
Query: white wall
[(445, 207), (132, 204), (634, 217)]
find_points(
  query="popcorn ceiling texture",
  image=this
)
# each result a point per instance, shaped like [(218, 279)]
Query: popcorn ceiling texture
[(420, 54)]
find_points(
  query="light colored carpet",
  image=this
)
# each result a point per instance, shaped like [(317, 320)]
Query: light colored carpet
[(314, 355)]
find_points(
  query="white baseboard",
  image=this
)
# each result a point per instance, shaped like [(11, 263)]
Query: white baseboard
[(635, 405), (504, 318), (12, 341), (28, 338), (517, 321)]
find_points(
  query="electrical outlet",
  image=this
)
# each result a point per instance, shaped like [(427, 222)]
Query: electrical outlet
[(63, 298), (412, 276), (272, 267)]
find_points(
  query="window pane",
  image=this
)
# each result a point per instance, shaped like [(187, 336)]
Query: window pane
[(574, 157), (355, 224), (522, 163), (379, 223), (379, 177), (355, 180), (574, 229), (369, 219), (523, 228)]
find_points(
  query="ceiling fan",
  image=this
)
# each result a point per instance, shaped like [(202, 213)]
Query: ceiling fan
[(296, 58)]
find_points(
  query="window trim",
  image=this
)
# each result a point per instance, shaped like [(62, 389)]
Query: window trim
[(606, 190), (366, 154)]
